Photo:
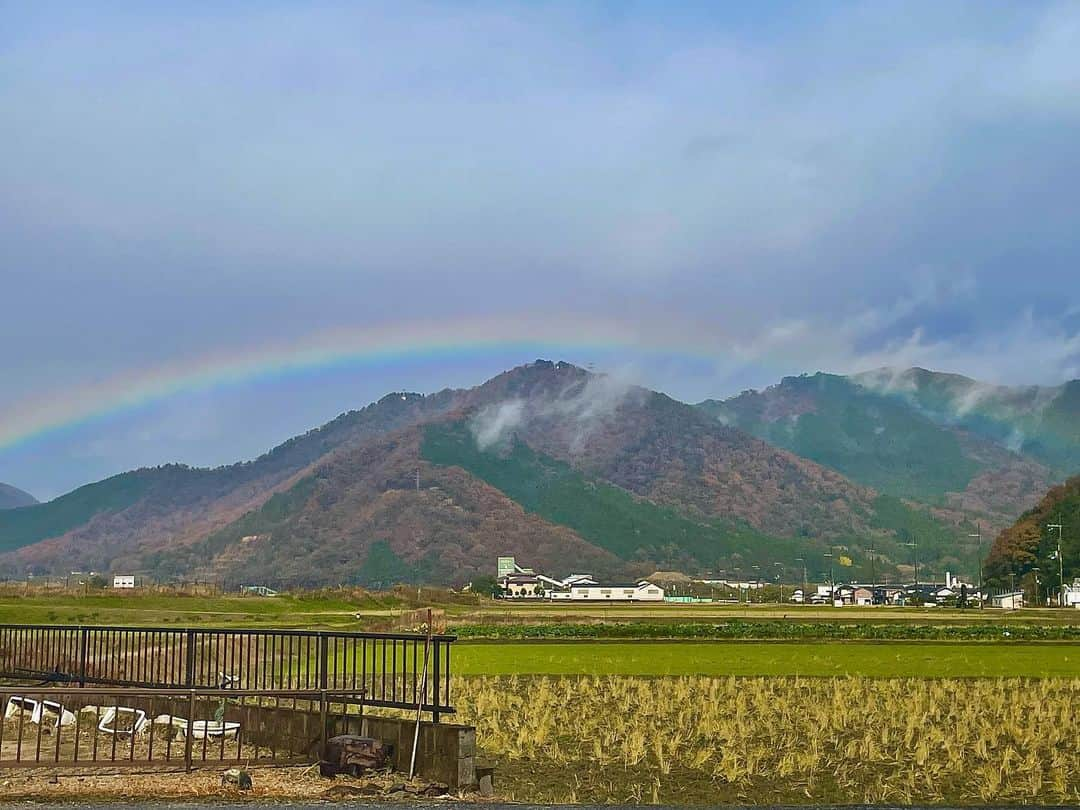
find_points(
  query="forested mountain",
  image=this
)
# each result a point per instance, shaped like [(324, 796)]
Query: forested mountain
[(13, 497), (562, 467)]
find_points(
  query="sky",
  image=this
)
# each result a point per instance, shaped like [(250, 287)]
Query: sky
[(222, 224)]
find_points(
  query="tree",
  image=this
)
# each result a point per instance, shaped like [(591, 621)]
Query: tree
[(488, 586)]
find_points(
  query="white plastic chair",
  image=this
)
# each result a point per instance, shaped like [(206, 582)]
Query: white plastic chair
[(113, 713), (63, 716), (200, 728), (18, 703)]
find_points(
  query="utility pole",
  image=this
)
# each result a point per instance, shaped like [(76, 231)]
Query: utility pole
[(978, 534), (832, 580), (873, 574), (780, 582), (1061, 562), (915, 550), (805, 595), (417, 479)]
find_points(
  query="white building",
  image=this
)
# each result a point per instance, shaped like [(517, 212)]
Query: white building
[(1008, 601), (1071, 594), (581, 592), (521, 586), (124, 581)]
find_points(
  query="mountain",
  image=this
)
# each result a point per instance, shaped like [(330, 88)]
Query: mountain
[(562, 467), (881, 437), (1030, 543), (12, 497), (1039, 422)]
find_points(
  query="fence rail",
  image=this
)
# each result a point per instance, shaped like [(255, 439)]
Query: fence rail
[(119, 727), (386, 667)]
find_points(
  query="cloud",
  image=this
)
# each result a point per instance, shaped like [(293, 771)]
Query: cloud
[(832, 186), (574, 411), (494, 424)]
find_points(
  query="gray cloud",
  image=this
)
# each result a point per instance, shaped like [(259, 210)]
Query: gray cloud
[(832, 187)]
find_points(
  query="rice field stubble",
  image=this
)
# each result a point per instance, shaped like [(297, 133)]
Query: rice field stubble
[(779, 740)]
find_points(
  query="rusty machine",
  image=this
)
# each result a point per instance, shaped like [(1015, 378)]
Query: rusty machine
[(351, 754)]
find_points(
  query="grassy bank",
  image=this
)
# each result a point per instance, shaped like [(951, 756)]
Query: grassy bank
[(700, 740), (892, 659)]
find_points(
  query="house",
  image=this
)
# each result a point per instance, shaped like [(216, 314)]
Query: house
[(643, 591), (862, 596), (123, 581), (1008, 601), (797, 596)]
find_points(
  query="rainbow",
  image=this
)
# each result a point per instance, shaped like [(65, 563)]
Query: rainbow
[(341, 348)]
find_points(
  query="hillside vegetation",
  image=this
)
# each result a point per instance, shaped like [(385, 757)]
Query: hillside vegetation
[(607, 516), (888, 440), (1039, 422), (870, 438), (1030, 544)]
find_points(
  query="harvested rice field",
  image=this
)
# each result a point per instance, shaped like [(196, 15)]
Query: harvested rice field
[(777, 740)]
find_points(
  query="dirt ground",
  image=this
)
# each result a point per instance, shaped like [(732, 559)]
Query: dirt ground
[(268, 783)]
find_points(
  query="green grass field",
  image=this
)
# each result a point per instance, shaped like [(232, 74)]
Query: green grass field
[(949, 659)]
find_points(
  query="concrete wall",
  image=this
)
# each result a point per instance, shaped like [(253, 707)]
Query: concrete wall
[(445, 752)]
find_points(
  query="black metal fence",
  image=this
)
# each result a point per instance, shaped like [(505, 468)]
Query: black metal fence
[(97, 726), (386, 667)]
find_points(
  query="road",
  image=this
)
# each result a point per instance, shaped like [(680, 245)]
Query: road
[(484, 806)]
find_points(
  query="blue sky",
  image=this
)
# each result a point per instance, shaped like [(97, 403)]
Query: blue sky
[(784, 187)]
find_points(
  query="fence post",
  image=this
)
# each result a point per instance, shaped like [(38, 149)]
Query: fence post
[(189, 674), (187, 733), (322, 724), (435, 683), (84, 647), (323, 660)]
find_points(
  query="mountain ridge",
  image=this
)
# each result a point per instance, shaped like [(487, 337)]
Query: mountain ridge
[(543, 456)]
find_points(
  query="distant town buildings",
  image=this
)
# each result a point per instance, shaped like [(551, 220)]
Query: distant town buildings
[(517, 582)]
